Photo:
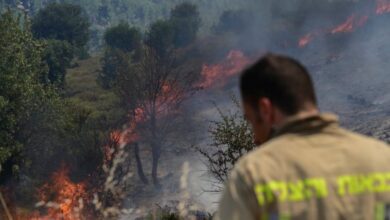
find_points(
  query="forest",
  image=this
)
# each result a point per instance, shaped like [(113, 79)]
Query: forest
[(105, 105)]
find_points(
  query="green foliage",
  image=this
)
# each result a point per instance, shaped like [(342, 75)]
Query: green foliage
[(232, 138), (124, 44), (178, 31), (58, 56), (123, 37), (22, 97), (161, 36), (62, 21), (94, 113), (186, 21), (113, 62)]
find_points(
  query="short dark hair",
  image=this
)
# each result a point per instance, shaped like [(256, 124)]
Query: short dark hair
[(282, 79)]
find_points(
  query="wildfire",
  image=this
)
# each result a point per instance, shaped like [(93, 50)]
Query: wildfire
[(383, 6), (121, 138), (63, 198), (349, 25), (219, 73), (305, 39)]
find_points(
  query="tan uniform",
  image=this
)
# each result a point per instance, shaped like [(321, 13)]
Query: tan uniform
[(311, 169)]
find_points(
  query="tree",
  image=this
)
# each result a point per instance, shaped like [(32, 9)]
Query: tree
[(178, 31), (58, 56), (231, 139), (22, 97), (123, 43), (160, 37), (62, 21), (186, 21), (123, 37), (113, 61), (152, 91)]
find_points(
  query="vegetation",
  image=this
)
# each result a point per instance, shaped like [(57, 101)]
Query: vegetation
[(64, 22), (23, 98), (160, 36), (156, 86), (38, 126), (231, 139), (65, 28), (123, 37), (186, 22), (58, 108), (112, 62), (58, 56)]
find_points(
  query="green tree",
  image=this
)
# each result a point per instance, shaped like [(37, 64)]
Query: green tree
[(160, 37), (58, 56), (186, 21), (62, 21), (22, 96), (123, 37), (231, 138), (113, 62)]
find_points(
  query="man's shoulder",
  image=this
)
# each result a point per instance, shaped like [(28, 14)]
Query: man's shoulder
[(267, 152), (263, 161), (364, 140)]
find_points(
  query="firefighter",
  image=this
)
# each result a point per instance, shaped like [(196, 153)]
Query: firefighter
[(306, 166)]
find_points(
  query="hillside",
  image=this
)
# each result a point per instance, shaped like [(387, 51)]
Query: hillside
[(137, 12)]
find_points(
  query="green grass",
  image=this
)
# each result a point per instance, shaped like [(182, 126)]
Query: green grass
[(82, 90)]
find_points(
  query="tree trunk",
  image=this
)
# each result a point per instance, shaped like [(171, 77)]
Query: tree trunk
[(156, 156), (140, 170), (155, 149)]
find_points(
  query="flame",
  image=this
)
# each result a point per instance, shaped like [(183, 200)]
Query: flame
[(349, 25), (163, 107), (305, 39), (170, 94), (63, 197), (218, 74), (122, 138), (383, 6)]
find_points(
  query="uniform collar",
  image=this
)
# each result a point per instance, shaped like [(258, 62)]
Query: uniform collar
[(308, 124)]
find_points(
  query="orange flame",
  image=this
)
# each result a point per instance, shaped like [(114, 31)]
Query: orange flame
[(305, 39), (163, 107), (383, 6), (121, 138), (350, 25), (219, 73), (65, 195)]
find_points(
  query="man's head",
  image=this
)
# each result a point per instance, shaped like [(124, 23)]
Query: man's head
[(273, 89)]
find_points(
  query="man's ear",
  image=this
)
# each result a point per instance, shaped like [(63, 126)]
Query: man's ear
[(266, 109)]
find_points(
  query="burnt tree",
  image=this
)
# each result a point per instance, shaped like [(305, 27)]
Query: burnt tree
[(152, 90)]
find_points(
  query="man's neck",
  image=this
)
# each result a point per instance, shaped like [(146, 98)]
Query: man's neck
[(283, 119)]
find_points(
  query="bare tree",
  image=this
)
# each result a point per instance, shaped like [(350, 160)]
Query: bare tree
[(153, 90)]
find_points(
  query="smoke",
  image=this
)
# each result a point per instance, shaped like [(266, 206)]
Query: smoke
[(349, 69), (347, 56)]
